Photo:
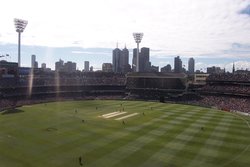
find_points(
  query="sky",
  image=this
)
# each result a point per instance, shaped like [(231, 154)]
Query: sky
[(213, 32)]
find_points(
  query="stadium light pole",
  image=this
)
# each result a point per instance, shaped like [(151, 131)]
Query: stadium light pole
[(138, 38), (20, 26)]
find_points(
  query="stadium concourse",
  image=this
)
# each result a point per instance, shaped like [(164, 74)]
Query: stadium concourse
[(227, 91)]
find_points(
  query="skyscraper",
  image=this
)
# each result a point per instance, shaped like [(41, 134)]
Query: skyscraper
[(43, 66), (124, 65), (86, 66), (69, 66), (59, 65), (191, 66), (121, 60), (144, 65), (36, 64), (33, 60), (116, 60), (177, 65)]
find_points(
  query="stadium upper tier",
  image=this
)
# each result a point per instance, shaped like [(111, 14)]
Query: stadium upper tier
[(230, 77), (63, 79), (156, 75), (166, 81)]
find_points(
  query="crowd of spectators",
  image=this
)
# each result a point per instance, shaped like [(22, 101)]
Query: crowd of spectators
[(217, 84), (232, 89), (79, 78), (5, 104), (227, 103), (226, 91), (238, 77), (64, 79)]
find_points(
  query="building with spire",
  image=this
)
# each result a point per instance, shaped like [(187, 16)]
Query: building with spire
[(124, 60), (116, 60), (120, 62)]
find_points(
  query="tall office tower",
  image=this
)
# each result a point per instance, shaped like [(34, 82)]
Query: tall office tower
[(36, 64), (116, 60), (59, 65), (124, 65), (69, 66), (86, 66), (177, 65), (144, 65), (43, 66), (33, 61), (191, 66), (91, 69), (134, 60)]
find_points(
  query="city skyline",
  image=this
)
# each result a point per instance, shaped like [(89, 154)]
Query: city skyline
[(213, 33), (104, 55)]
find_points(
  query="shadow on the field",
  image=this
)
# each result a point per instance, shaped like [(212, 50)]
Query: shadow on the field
[(12, 111)]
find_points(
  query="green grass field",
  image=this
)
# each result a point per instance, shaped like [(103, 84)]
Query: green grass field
[(160, 135)]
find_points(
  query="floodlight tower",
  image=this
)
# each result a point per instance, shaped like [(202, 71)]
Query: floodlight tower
[(138, 38), (20, 26)]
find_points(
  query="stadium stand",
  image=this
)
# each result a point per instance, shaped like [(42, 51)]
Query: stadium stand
[(155, 85), (224, 91), (41, 86)]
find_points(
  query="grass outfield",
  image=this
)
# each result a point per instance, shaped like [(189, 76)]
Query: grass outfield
[(170, 135)]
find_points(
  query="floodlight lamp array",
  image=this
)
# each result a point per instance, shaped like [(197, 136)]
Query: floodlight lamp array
[(20, 24), (138, 37)]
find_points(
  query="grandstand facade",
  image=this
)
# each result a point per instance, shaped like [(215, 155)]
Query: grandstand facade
[(226, 91), (156, 85)]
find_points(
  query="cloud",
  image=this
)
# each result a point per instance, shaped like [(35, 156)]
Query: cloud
[(246, 10), (214, 29), (87, 53)]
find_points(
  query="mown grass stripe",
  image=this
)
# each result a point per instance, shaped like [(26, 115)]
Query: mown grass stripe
[(171, 147), (205, 150), (135, 142), (151, 145), (106, 139)]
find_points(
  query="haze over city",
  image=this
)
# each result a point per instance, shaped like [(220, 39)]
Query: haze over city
[(213, 32)]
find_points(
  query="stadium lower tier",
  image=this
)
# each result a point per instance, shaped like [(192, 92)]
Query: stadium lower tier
[(12, 97)]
